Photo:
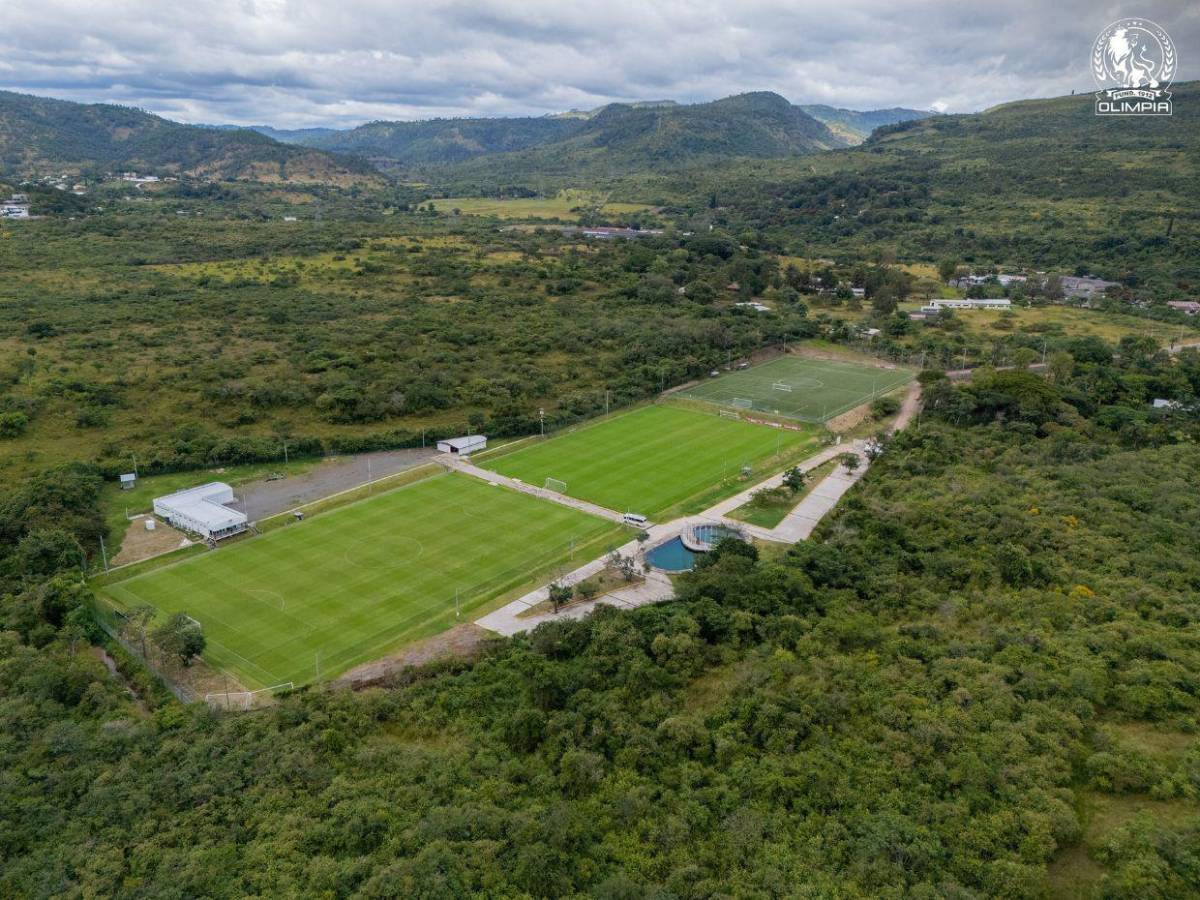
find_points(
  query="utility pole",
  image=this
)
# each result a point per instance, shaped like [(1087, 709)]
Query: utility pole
[(285, 456), (542, 421), (607, 392), (104, 554)]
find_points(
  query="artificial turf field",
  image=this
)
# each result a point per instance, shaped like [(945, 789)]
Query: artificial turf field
[(651, 459), (355, 582), (820, 389)]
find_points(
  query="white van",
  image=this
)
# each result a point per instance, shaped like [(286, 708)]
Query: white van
[(635, 519)]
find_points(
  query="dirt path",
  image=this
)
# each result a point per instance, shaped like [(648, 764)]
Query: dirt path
[(460, 642), (263, 498)]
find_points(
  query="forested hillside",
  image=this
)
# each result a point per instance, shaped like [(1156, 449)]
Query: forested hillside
[(981, 678), (1041, 183), (39, 135), (856, 125)]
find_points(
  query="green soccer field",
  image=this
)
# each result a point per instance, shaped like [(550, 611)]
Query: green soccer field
[(651, 459), (354, 583), (810, 390)]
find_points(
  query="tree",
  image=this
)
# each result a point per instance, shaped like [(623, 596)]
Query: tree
[(137, 623), (794, 479), (625, 565), (946, 269), (850, 461), (587, 589), (559, 595), (181, 636), (1062, 366)]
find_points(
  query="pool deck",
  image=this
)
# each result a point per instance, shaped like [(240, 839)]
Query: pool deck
[(798, 525)]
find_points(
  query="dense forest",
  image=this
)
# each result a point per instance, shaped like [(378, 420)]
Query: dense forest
[(980, 677)]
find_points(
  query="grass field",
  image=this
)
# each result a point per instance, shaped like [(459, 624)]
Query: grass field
[(651, 459), (819, 389), (359, 581)]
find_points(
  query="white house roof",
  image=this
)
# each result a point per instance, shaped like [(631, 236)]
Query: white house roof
[(461, 443), (204, 504)]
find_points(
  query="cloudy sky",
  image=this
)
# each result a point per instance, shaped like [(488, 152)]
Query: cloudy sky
[(295, 63)]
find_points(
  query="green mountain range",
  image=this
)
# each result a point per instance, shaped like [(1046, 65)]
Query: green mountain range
[(39, 135), (617, 137)]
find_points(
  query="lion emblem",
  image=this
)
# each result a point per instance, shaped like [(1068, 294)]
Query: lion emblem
[(1134, 53), (1129, 60)]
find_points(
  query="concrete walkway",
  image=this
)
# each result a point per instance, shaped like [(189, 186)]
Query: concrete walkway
[(458, 464), (796, 525)]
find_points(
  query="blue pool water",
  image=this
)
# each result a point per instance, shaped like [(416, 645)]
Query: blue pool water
[(672, 557)]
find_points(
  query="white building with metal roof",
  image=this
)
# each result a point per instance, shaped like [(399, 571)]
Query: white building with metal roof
[(202, 510), (463, 446)]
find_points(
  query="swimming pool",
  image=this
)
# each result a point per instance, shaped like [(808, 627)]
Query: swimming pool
[(671, 557)]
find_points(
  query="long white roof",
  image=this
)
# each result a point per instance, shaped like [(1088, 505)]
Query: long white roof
[(203, 504)]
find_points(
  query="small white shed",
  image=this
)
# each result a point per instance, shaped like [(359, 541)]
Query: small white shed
[(463, 446)]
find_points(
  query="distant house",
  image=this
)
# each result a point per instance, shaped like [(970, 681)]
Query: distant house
[(14, 209), (463, 446), (755, 305), (858, 292), (1191, 307), (1085, 287), (938, 305), (606, 232), (1160, 403), (1006, 280), (969, 280)]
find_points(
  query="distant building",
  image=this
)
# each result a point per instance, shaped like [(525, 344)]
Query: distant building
[(966, 303), (14, 208), (202, 510), (606, 232), (1006, 280), (755, 305), (1191, 307), (1160, 403), (1085, 287), (463, 446), (128, 481)]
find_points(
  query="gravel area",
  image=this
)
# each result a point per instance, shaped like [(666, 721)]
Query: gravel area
[(263, 498)]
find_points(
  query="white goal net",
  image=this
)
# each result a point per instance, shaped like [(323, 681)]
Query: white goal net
[(245, 699), (782, 386), (553, 484), (729, 414)]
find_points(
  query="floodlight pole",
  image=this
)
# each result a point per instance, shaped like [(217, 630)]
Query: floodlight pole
[(542, 421), (104, 554)]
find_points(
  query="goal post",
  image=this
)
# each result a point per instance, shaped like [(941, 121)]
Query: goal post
[(553, 484), (728, 414), (782, 386)]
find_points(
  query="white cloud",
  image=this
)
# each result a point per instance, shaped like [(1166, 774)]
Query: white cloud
[(312, 62)]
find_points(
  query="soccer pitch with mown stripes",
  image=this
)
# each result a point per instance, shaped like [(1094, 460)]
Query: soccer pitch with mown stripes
[(796, 387), (347, 586), (653, 458)]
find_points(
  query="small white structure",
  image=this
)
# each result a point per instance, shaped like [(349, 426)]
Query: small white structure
[(14, 209), (202, 510), (463, 446), (966, 303), (128, 480)]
